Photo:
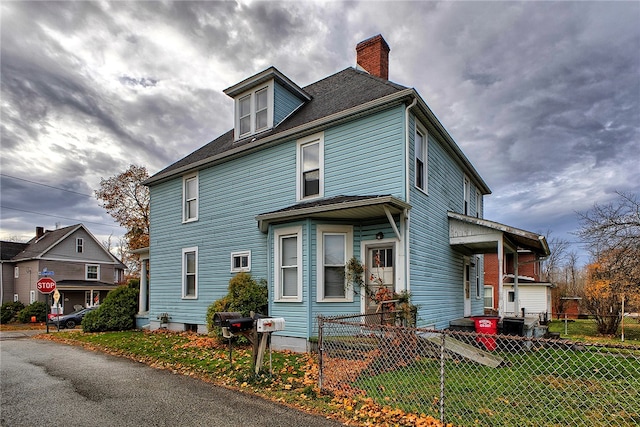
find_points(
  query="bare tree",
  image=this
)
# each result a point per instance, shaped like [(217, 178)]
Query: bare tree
[(614, 229)]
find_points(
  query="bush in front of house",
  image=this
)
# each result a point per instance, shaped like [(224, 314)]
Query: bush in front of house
[(9, 311), (37, 309), (245, 295), (116, 313)]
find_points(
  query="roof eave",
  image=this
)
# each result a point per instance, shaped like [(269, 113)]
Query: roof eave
[(298, 131)]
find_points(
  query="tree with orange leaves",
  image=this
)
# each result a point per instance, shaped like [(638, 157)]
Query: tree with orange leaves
[(126, 199)]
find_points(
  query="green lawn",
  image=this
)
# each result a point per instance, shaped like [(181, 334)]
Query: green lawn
[(542, 387), (585, 330)]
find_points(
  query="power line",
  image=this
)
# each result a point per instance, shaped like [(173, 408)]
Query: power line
[(61, 217), (45, 185)]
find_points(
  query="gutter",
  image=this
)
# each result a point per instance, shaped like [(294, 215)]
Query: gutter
[(407, 189)]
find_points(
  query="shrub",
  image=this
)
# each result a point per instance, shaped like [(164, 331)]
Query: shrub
[(9, 310), (38, 309), (245, 295), (116, 313)]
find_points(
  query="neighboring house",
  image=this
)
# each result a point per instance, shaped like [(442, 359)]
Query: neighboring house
[(534, 296), (353, 165), (83, 269)]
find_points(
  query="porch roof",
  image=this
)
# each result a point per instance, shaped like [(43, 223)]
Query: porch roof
[(473, 235), (84, 285), (339, 207)]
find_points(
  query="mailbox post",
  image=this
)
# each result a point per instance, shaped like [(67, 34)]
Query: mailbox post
[(232, 324)]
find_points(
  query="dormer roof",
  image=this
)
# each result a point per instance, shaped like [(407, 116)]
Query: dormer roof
[(270, 73)]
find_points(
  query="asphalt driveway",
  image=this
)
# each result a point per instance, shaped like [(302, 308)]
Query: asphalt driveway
[(48, 383)]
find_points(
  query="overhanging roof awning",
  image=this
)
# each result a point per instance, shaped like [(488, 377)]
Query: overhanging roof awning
[(84, 285), (339, 207), (476, 236)]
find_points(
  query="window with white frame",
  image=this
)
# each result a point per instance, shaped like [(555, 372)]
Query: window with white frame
[(488, 297), (16, 272), (254, 111), (240, 261), (92, 272), (335, 247), (79, 245), (478, 205), (420, 148), (288, 264), (16, 298), (310, 166), (190, 272), (190, 198), (32, 297), (467, 195)]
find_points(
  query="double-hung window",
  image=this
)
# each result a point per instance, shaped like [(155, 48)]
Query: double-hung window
[(335, 247), (190, 198), (467, 195), (420, 148), (254, 111), (190, 273), (92, 272), (310, 167), (79, 245), (288, 264)]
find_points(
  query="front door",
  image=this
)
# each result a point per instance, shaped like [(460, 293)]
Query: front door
[(379, 274), (467, 287)]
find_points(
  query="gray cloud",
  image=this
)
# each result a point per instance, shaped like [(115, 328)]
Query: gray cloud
[(543, 97)]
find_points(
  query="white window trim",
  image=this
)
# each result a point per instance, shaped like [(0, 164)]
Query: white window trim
[(319, 138), (240, 254), (32, 297), (278, 234), (79, 245), (485, 287), (466, 191), (184, 272), (478, 204), (478, 283), (425, 152), (184, 197), (86, 271), (16, 297), (16, 272), (322, 229), (270, 107)]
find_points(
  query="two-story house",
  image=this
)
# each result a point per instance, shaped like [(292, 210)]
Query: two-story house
[(353, 165), (83, 269)]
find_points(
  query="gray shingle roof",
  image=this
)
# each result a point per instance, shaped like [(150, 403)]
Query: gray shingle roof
[(10, 249), (338, 92), (37, 246)]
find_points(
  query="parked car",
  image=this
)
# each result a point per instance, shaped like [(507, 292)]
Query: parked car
[(70, 320)]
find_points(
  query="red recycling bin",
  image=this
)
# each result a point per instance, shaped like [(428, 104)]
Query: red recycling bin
[(487, 325)]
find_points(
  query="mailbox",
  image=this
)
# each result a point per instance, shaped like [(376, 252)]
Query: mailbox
[(222, 318), (241, 324), (270, 324)]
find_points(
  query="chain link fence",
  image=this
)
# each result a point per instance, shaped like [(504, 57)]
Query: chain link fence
[(470, 379)]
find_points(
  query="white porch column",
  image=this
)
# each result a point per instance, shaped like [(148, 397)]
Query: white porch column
[(143, 286)]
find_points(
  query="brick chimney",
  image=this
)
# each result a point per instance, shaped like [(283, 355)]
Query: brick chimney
[(373, 56), (39, 232)]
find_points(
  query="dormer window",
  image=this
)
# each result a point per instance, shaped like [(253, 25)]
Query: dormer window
[(263, 101), (254, 111)]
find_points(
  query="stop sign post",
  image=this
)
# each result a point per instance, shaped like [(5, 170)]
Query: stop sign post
[(46, 285)]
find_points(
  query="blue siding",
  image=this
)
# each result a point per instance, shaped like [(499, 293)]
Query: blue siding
[(284, 103), (436, 269)]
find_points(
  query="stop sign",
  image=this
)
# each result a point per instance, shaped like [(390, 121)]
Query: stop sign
[(46, 285)]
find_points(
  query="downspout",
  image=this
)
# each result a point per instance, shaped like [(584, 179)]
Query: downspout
[(407, 186)]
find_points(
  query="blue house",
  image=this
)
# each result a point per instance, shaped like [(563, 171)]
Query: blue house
[(353, 165)]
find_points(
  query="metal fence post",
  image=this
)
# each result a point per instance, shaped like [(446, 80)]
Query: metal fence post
[(442, 349), (320, 350)]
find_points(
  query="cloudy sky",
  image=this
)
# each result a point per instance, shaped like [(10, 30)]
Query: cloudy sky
[(543, 97)]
